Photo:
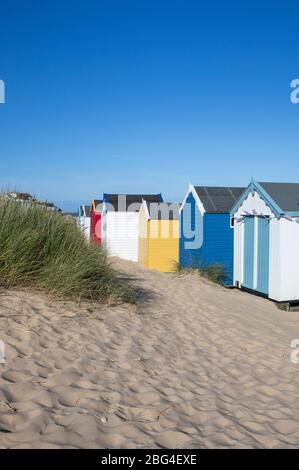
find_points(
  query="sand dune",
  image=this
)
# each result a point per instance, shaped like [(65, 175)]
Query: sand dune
[(199, 367)]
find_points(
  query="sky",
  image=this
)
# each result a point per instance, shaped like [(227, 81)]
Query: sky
[(146, 96)]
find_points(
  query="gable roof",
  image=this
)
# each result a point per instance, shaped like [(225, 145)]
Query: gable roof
[(163, 210), (87, 211), (122, 202), (285, 195), (282, 198), (84, 211), (97, 201), (96, 205), (218, 200)]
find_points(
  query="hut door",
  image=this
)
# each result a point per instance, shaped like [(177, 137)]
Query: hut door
[(248, 269), (263, 255)]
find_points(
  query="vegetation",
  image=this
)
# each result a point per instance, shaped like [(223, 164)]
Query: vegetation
[(184, 270), (43, 250), (213, 272)]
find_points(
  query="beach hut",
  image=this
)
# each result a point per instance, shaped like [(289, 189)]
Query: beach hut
[(84, 220), (96, 209), (206, 235), (159, 236), (120, 223), (266, 240)]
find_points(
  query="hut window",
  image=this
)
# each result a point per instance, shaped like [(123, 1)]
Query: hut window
[(232, 222)]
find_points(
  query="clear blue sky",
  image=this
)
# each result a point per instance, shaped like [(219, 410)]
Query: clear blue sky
[(146, 95)]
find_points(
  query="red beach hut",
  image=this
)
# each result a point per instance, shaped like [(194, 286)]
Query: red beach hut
[(96, 221)]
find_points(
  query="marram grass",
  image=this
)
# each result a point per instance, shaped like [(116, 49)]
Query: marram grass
[(213, 272), (43, 250)]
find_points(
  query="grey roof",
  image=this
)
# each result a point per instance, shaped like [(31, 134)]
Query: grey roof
[(285, 195), (83, 209), (98, 204), (218, 199), (163, 210), (130, 202)]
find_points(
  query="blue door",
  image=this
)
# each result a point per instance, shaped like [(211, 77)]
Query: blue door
[(248, 252), (263, 255)]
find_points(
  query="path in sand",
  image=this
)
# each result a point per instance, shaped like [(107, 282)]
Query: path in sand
[(202, 366)]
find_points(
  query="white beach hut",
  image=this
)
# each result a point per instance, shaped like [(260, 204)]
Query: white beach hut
[(266, 240), (120, 223), (84, 220)]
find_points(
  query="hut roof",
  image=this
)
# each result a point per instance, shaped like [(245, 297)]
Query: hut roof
[(218, 199), (130, 202), (84, 210), (163, 210), (98, 203), (285, 195), (87, 211)]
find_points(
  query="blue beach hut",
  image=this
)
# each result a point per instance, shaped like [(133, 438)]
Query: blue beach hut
[(206, 234)]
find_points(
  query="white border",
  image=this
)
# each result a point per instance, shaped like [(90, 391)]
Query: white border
[(191, 189)]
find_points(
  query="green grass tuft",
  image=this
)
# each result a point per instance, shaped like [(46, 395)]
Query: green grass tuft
[(43, 250), (213, 272), (179, 269)]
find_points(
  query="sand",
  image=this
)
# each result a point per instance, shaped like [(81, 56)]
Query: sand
[(199, 366)]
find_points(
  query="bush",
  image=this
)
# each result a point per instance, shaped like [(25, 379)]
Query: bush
[(41, 249), (179, 269), (213, 272)]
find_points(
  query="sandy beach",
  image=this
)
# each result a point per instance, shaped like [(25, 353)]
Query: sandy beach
[(197, 366)]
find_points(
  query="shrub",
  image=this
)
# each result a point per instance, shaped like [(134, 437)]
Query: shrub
[(213, 272), (179, 269), (41, 249)]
